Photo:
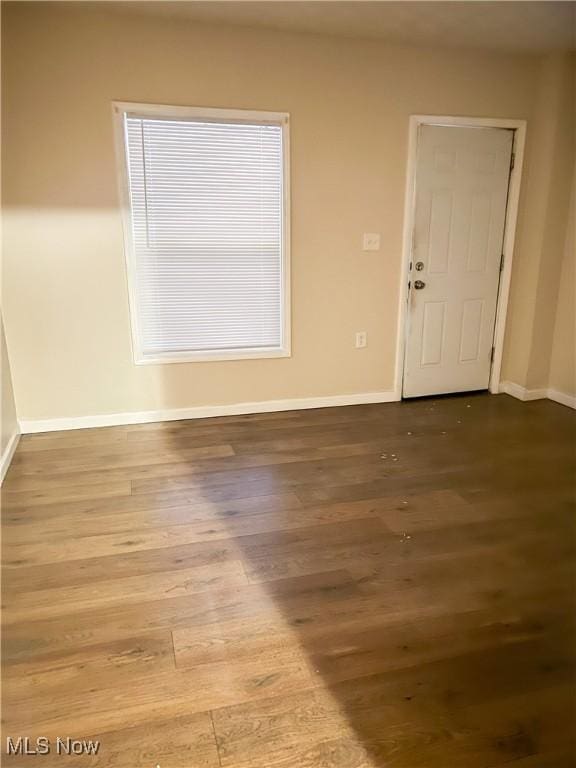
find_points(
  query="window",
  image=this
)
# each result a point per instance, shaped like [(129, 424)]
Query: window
[(206, 232)]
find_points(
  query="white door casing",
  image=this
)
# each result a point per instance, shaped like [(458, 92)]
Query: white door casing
[(461, 188)]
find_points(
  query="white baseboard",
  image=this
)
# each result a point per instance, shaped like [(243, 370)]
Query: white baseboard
[(562, 397), (28, 426), (521, 393), (6, 457)]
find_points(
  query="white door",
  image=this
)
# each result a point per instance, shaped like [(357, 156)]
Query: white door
[(460, 207)]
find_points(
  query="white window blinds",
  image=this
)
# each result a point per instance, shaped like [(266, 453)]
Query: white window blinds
[(207, 225)]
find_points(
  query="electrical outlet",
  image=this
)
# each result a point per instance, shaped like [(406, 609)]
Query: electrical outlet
[(371, 241), (361, 340)]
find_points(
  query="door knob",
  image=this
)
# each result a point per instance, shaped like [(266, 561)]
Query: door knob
[(419, 266), (419, 284)]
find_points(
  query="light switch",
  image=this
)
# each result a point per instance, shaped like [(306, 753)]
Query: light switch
[(371, 241), (361, 339)]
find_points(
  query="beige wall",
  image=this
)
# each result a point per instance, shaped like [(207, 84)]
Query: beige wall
[(66, 307), (563, 359), (8, 419)]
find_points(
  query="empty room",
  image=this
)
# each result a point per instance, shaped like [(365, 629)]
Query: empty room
[(288, 451)]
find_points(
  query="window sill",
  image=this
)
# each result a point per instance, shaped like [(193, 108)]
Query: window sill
[(207, 357)]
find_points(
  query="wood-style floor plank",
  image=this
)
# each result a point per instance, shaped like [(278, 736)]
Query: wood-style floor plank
[(47, 603)]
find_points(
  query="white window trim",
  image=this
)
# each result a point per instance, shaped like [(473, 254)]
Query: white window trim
[(120, 110)]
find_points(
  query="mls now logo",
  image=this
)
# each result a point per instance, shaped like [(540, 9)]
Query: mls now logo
[(70, 746), (24, 745)]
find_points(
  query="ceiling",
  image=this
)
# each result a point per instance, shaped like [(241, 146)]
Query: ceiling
[(512, 25)]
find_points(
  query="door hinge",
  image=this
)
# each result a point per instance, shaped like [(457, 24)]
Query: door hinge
[(512, 160), (501, 262), (492, 355)]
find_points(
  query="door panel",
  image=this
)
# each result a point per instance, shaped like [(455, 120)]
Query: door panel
[(470, 333), (439, 231), (433, 332), (460, 207), (479, 233)]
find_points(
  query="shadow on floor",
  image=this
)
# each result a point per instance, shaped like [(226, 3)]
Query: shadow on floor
[(412, 583)]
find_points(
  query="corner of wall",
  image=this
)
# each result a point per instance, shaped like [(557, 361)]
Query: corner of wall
[(562, 373), (10, 433), (539, 264)]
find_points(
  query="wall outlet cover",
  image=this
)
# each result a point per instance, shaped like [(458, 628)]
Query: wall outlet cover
[(371, 241)]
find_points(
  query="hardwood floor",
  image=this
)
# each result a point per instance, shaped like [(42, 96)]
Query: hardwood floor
[(383, 586)]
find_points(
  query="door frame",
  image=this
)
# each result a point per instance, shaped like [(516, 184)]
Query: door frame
[(518, 145)]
